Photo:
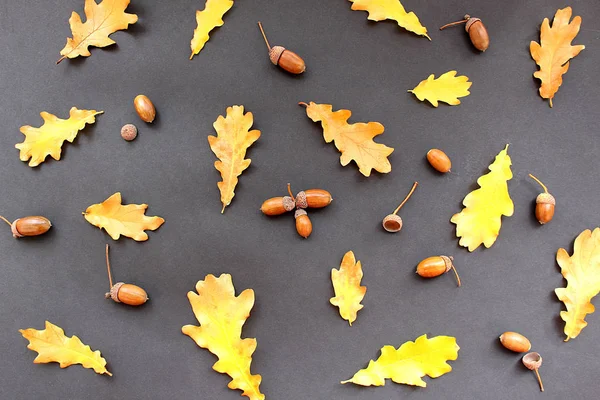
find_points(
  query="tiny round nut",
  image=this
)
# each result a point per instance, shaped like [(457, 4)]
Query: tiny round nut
[(129, 132)]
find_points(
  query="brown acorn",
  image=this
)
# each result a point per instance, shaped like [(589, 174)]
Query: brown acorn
[(144, 108), (544, 204), (278, 205), (125, 293), (303, 224), (286, 59), (533, 361), (436, 266), (476, 30), (313, 198), (439, 160), (516, 342), (28, 226), (392, 222)]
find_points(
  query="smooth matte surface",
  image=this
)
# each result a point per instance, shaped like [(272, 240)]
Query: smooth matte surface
[(304, 347)]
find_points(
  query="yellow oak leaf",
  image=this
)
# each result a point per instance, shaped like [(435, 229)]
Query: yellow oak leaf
[(582, 272), (447, 88), (48, 139), (233, 138), (410, 362), (354, 141), (208, 19), (346, 285), (117, 219), (221, 316), (380, 10), (101, 20), (52, 345), (479, 222), (554, 51)]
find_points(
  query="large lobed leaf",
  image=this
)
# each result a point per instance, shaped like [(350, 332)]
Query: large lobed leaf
[(380, 10), (207, 20), (221, 316), (582, 272), (480, 221)]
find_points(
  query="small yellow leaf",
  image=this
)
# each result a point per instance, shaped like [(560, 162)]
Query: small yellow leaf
[(354, 141), (554, 51), (411, 362), (208, 19), (48, 139), (233, 139), (447, 88), (52, 345), (582, 272), (127, 220), (346, 284), (221, 316), (102, 19), (380, 10), (479, 222)]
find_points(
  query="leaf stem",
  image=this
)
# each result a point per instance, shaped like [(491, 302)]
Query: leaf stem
[(264, 36), (60, 59), (303, 104), (5, 220), (406, 198), (540, 182)]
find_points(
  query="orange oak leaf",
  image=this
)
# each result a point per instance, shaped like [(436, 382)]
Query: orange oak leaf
[(346, 284), (221, 315), (117, 219), (101, 20), (233, 138), (554, 51), (354, 141), (52, 345)]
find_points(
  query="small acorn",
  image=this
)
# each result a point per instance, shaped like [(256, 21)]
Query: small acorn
[(533, 361), (436, 266), (544, 204), (125, 293), (439, 160), (28, 226), (278, 205), (392, 222), (144, 108), (286, 59), (313, 198), (476, 30), (303, 224), (516, 342)]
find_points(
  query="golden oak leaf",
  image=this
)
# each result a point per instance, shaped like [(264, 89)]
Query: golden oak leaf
[(582, 272), (380, 10), (101, 20), (208, 19), (221, 316), (52, 345), (447, 88), (233, 139), (554, 51), (48, 139), (346, 284), (479, 222), (354, 141), (117, 219), (410, 362)]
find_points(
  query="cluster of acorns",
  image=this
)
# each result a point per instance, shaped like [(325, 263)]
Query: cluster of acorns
[(311, 198)]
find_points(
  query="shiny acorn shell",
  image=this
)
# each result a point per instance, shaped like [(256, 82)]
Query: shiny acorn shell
[(128, 294), (544, 207), (30, 226), (477, 33), (278, 205), (516, 342), (313, 198), (303, 224), (287, 59)]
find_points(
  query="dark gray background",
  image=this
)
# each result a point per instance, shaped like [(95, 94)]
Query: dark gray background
[(304, 347)]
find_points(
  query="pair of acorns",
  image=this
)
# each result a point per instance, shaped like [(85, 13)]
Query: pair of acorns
[(311, 198)]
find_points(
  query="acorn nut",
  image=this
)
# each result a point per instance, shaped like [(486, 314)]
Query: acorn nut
[(144, 108)]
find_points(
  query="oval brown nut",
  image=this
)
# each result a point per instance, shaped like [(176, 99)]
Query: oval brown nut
[(439, 160), (144, 108), (515, 342)]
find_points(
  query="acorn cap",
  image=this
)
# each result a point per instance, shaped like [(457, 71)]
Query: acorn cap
[(448, 262), (288, 203), (275, 53), (392, 223), (301, 201), (114, 292), (532, 360), (545, 198), (470, 22), (299, 213), (13, 228)]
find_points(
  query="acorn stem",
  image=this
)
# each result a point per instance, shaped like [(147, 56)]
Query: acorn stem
[(540, 182), (264, 36), (5, 220), (457, 277), (467, 17), (406, 198), (108, 268), (290, 192), (539, 379)]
